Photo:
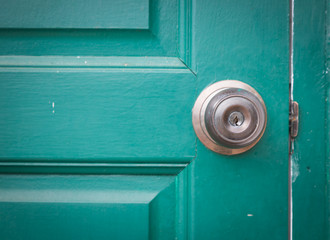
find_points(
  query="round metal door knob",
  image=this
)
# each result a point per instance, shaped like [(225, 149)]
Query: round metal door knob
[(229, 117)]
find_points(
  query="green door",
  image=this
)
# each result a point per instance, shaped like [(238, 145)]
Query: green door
[(96, 135)]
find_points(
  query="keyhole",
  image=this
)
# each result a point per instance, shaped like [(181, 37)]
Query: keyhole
[(236, 119)]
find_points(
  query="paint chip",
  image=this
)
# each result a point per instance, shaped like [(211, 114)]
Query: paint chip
[(250, 215)]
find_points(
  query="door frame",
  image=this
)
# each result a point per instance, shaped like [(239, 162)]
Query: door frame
[(310, 165)]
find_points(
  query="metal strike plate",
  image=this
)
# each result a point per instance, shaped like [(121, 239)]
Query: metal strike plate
[(229, 117), (294, 119)]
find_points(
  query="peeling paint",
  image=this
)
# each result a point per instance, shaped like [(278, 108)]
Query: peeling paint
[(294, 167)]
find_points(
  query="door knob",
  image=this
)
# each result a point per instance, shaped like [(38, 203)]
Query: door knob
[(229, 117)]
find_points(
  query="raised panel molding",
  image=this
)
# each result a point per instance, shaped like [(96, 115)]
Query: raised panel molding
[(55, 109), (34, 167), (95, 206), (90, 62), (169, 34), (89, 14)]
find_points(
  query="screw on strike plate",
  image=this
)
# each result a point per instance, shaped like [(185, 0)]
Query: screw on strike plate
[(236, 119)]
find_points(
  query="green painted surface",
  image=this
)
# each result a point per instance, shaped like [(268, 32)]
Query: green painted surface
[(73, 221), (54, 167), (63, 114), (244, 196), (327, 137), (85, 207), (122, 105), (122, 98), (310, 220), (160, 39), (127, 14), (91, 62)]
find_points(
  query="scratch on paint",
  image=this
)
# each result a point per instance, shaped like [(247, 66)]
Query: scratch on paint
[(294, 167)]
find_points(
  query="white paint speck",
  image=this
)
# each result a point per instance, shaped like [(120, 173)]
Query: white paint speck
[(78, 56), (85, 62), (53, 106), (250, 215)]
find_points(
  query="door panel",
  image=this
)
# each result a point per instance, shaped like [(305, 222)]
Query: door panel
[(120, 35), (114, 111), (74, 14), (87, 207)]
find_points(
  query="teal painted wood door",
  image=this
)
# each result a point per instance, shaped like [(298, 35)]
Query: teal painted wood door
[(96, 139)]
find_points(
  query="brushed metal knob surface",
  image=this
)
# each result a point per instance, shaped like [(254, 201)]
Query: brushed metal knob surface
[(229, 117)]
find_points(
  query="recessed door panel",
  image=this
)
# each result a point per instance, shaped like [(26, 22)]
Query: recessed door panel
[(89, 14), (85, 207)]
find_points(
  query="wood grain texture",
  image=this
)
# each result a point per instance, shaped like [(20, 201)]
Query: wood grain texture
[(113, 115), (87, 14)]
